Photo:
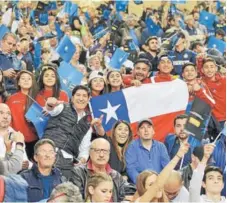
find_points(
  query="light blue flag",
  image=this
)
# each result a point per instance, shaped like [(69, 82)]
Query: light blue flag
[(34, 114), (70, 8), (218, 44), (178, 1), (121, 5), (66, 49), (118, 58), (207, 19), (3, 30), (152, 27), (69, 77)]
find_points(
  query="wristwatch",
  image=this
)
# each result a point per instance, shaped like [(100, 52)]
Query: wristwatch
[(20, 143)]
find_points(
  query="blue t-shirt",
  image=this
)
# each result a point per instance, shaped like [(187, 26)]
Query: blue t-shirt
[(47, 182)]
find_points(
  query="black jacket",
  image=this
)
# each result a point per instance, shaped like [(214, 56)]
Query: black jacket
[(65, 130), (80, 175)]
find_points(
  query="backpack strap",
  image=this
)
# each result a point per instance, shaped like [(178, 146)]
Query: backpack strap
[(2, 189)]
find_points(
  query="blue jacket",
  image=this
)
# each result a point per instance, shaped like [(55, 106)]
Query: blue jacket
[(219, 156), (172, 148), (36, 189), (15, 189), (7, 62), (180, 58)]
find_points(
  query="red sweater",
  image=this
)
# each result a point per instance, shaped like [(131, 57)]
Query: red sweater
[(159, 77), (218, 91), (127, 79), (17, 103), (204, 94), (44, 94)]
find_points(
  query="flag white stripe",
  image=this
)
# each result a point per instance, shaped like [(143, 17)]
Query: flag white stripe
[(150, 100)]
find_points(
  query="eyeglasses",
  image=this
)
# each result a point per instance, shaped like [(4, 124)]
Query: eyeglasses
[(98, 151), (44, 153)]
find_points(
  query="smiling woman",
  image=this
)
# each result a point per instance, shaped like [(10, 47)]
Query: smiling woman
[(120, 138), (49, 84), (19, 103)]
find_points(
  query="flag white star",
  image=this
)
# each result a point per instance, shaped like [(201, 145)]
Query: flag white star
[(110, 111)]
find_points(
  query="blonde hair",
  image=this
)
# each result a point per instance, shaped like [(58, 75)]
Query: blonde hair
[(141, 182), (95, 180)]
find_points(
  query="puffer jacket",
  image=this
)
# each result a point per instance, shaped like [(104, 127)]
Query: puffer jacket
[(81, 174), (65, 130), (15, 189)]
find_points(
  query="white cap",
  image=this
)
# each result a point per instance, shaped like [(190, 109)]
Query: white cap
[(96, 74)]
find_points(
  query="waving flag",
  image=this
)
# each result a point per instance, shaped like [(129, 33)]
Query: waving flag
[(3, 30), (121, 5), (66, 49), (218, 44), (153, 28), (35, 115), (160, 101), (207, 19), (119, 57), (69, 77), (178, 1)]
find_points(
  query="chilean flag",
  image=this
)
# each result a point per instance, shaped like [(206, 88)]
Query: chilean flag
[(160, 101)]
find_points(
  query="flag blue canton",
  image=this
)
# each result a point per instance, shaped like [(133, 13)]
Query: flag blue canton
[(118, 58), (152, 27), (3, 31), (218, 44), (113, 106), (207, 19), (99, 31), (69, 77), (178, 1), (121, 5), (66, 48), (70, 8), (40, 121)]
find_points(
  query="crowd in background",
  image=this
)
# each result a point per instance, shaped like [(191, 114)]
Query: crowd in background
[(76, 159)]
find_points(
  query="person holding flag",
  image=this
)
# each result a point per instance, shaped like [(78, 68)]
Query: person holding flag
[(70, 129), (174, 141), (19, 104), (196, 87)]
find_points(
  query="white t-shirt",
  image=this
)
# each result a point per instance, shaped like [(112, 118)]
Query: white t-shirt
[(183, 196)]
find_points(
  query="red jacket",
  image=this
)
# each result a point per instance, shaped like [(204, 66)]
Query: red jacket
[(17, 103), (127, 79), (159, 77), (44, 94), (218, 91), (204, 94)]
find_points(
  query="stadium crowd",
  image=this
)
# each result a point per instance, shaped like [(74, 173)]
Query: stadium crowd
[(59, 59)]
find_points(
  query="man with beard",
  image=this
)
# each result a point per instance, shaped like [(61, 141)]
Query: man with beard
[(140, 74), (152, 49), (145, 153), (173, 142)]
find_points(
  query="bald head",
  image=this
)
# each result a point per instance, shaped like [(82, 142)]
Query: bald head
[(5, 116), (173, 185), (4, 106), (100, 152), (100, 142)]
